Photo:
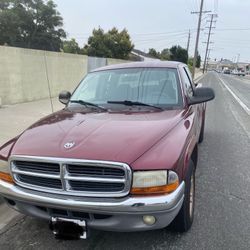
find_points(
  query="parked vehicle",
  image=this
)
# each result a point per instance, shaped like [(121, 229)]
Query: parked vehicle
[(121, 155), (227, 71), (241, 73), (238, 72)]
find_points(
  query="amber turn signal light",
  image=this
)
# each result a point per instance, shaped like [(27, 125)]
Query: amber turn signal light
[(6, 177), (166, 189)]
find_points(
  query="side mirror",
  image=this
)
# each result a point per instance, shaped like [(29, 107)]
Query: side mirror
[(64, 97), (201, 95)]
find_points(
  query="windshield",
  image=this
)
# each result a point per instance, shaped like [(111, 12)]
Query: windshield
[(154, 86)]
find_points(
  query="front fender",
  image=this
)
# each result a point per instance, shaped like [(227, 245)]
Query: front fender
[(6, 148), (170, 152)]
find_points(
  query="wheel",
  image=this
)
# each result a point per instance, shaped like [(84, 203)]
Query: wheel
[(183, 221), (201, 137)]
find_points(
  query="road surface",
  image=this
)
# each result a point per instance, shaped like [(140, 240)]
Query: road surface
[(222, 211)]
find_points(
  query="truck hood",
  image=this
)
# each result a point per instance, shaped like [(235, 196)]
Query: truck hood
[(107, 136)]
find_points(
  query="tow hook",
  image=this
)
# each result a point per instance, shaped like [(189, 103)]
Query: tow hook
[(68, 229)]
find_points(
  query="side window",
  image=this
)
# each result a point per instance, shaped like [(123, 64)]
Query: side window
[(187, 83)]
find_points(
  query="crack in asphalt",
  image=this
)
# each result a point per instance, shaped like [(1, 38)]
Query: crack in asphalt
[(9, 227)]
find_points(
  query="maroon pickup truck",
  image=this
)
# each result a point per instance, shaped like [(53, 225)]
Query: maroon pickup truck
[(121, 155)]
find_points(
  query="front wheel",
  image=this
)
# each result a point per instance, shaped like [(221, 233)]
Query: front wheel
[(184, 219)]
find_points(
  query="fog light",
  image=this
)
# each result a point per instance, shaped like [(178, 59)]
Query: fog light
[(149, 219)]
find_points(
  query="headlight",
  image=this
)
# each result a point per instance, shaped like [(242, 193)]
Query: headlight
[(154, 182), (5, 172)]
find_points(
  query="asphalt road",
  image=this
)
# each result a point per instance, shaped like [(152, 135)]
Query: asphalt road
[(222, 212), (240, 86)]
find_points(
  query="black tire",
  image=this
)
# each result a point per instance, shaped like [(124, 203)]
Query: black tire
[(183, 221), (201, 137)]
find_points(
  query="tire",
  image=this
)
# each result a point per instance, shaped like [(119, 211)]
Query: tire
[(201, 137), (183, 221)]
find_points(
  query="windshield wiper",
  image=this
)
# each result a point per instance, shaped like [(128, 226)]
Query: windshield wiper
[(88, 104), (131, 103)]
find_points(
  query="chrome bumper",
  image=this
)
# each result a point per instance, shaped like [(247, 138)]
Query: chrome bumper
[(126, 214), (129, 204)]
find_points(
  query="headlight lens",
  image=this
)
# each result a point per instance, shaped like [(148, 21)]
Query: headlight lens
[(154, 182), (5, 172)]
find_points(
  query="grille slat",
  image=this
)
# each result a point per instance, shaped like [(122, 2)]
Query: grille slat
[(72, 177), (40, 181), (95, 171), (97, 186), (38, 167)]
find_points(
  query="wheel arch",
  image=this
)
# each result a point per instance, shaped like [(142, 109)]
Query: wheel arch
[(194, 156), (191, 154)]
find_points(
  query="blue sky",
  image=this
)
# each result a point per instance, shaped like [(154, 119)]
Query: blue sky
[(163, 23)]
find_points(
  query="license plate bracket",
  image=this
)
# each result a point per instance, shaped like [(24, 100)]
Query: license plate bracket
[(68, 228)]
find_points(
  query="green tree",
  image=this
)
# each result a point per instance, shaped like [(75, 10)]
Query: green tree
[(198, 61), (32, 24), (177, 53), (153, 53), (165, 54), (113, 44), (71, 46)]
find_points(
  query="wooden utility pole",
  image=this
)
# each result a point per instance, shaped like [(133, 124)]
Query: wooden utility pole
[(208, 57), (188, 42), (197, 38), (208, 41), (198, 34)]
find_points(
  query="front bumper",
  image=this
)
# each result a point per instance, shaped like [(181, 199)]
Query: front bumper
[(125, 213)]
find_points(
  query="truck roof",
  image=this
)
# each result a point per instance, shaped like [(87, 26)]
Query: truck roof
[(148, 64)]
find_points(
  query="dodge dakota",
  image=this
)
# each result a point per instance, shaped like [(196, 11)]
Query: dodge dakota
[(121, 155)]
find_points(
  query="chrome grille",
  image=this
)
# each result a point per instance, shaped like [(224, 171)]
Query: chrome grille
[(72, 176)]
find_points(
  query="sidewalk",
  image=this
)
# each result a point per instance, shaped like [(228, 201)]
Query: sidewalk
[(198, 75), (16, 118)]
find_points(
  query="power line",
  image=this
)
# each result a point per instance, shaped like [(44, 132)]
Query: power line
[(161, 33), (169, 43), (162, 40), (231, 29)]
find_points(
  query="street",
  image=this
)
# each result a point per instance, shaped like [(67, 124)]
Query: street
[(222, 209)]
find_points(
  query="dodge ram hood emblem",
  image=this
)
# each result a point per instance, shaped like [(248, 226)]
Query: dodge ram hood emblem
[(69, 145)]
